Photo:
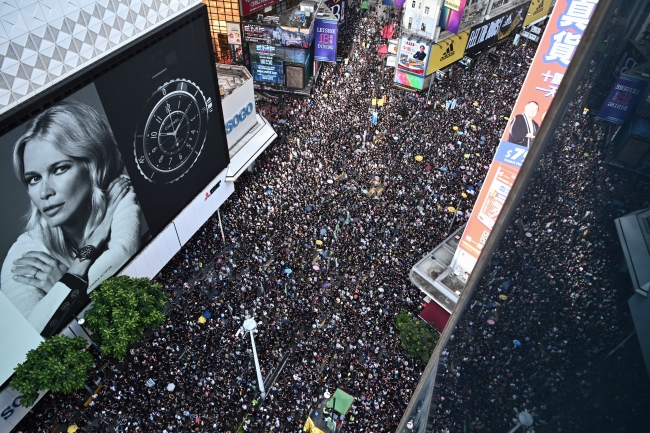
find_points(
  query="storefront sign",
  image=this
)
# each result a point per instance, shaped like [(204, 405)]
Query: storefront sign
[(495, 29), (234, 34), (447, 52), (249, 6), (621, 99)]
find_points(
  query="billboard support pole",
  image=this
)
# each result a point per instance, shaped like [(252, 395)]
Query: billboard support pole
[(429, 91), (223, 237)]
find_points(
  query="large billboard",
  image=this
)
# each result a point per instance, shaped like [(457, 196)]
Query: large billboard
[(326, 32), (271, 34), (250, 6), (559, 42), (493, 30), (451, 15), (621, 99), (538, 9), (447, 52), (107, 160), (413, 55)]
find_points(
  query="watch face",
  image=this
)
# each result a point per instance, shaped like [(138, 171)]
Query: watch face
[(171, 131)]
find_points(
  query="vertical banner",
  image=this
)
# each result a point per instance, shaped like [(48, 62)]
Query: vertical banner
[(338, 8), (559, 42), (451, 15), (621, 99), (326, 34)]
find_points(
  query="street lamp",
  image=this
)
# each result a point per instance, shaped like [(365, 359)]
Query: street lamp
[(409, 425), (250, 326), (81, 324)]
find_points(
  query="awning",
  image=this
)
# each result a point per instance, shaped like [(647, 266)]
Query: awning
[(436, 315), (341, 401)]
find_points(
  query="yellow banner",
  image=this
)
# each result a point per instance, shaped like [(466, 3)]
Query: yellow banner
[(537, 10), (447, 52)]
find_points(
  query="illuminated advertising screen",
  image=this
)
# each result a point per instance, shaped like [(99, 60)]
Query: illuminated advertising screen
[(409, 80), (451, 14), (93, 172), (413, 56), (277, 35)]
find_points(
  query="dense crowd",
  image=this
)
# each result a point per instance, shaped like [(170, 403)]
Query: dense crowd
[(544, 326), (319, 240)]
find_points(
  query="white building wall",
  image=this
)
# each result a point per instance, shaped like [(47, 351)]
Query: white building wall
[(419, 13)]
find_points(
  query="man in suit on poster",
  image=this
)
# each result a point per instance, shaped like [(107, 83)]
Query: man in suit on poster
[(523, 128)]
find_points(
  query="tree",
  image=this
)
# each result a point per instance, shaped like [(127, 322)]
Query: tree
[(416, 336), (59, 364), (123, 307)]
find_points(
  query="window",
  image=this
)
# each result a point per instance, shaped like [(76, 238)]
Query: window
[(423, 27), (426, 10), (419, 5), (413, 4), (410, 22)]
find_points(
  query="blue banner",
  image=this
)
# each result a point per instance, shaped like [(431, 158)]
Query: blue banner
[(326, 31), (621, 99)]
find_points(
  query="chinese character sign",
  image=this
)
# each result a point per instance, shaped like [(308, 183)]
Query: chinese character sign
[(565, 28), (621, 99), (326, 32), (413, 55)]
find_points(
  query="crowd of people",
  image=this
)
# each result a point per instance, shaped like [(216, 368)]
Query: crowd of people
[(319, 241), (544, 325)]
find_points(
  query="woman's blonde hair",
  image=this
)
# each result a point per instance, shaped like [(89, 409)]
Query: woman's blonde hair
[(80, 132)]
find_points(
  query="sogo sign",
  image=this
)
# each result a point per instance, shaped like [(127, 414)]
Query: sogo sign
[(239, 117)]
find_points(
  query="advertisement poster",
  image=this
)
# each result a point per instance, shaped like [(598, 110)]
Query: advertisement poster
[(621, 99), (250, 6), (338, 8), (538, 9), (447, 52), (489, 32), (102, 172), (413, 55), (563, 32), (234, 34), (277, 35), (409, 80), (449, 17), (326, 32)]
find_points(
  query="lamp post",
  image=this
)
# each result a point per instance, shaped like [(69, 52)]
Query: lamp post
[(250, 326), (81, 324)]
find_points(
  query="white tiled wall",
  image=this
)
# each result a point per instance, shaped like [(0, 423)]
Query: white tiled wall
[(43, 41)]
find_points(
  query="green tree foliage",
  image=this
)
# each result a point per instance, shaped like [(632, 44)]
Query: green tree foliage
[(123, 307), (59, 364), (417, 337)]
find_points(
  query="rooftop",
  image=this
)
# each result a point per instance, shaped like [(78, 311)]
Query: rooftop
[(231, 78)]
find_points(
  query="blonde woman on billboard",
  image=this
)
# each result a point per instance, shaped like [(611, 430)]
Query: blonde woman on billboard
[(84, 220)]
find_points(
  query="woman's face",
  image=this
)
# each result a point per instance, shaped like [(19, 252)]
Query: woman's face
[(58, 184)]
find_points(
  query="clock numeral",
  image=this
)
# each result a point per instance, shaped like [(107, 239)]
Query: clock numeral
[(180, 156), (161, 158), (141, 160), (154, 134), (158, 119), (164, 91), (209, 102), (154, 150)]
